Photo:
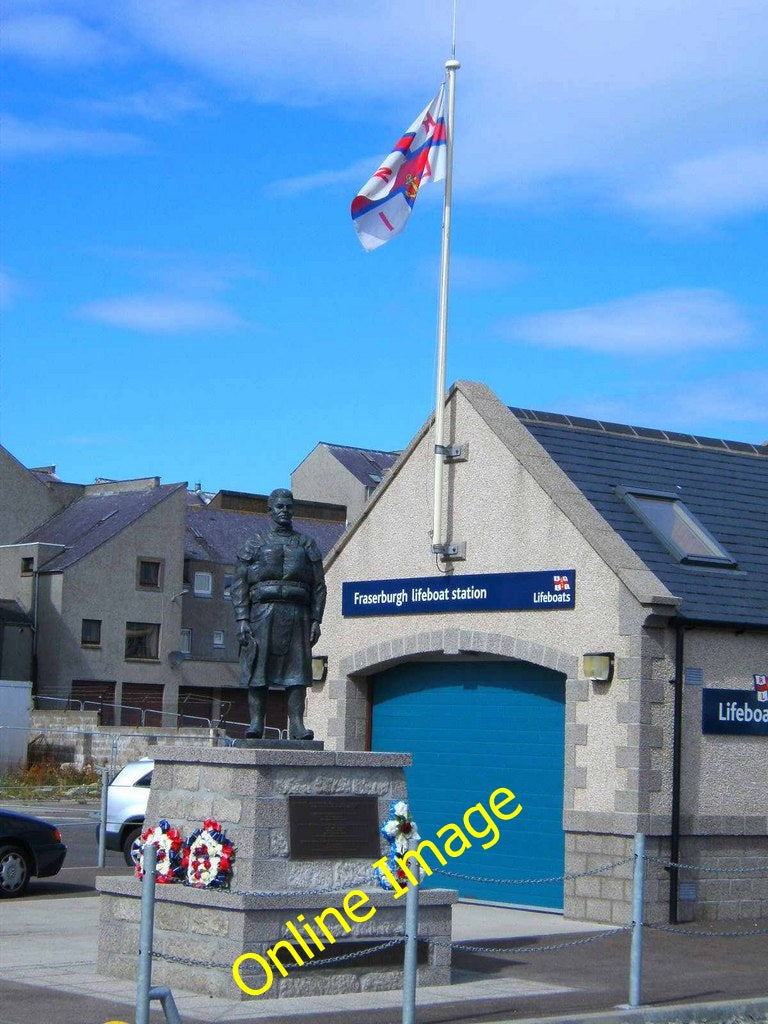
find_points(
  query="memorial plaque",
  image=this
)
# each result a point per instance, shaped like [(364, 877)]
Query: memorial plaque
[(334, 827)]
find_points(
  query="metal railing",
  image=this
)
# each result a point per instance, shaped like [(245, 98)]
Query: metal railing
[(163, 719)]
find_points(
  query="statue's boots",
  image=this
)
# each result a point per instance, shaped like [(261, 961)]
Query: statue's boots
[(257, 704), (296, 728)]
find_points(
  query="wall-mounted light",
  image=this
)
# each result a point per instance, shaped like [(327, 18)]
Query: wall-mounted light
[(319, 668), (598, 667)]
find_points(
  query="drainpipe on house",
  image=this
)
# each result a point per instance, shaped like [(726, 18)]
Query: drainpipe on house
[(35, 600), (677, 746)]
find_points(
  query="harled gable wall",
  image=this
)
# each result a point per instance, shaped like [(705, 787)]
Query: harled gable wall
[(103, 586)]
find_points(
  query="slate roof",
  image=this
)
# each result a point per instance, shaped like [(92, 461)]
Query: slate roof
[(216, 535), (12, 614), (94, 520), (723, 483), (366, 464)]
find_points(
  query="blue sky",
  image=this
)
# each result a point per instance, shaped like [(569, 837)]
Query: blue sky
[(183, 292)]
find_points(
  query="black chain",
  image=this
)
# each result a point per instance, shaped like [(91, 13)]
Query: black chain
[(677, 930), (379, 947), (534, 949), (699, 867), (530, 881)]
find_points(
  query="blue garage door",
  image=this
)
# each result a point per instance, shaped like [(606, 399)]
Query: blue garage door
[(473, 727)]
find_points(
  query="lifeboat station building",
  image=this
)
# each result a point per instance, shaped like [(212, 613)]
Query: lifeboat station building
[(595, 640)]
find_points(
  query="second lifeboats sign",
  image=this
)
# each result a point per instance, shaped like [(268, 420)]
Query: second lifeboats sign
[(544, 590)]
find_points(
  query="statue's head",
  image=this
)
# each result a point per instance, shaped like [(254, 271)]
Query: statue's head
[(280, 505)]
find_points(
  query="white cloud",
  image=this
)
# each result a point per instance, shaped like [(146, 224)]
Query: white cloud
[(616, 100), (160, 314), (650, 324), (553, 97), (723, 402), (478, 273), (163, 103), (9, 289), (735, 397), (26, 138), (55, 38), (179, 272), (730, 181), (356, 173)]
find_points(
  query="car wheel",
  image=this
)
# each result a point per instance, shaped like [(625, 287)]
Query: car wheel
[(132, 847), (15, 869)]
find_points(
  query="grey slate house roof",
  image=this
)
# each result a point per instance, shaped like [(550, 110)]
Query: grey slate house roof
[(216, 535), (723, 483), (12, 614), (366, 464), (94, 520)]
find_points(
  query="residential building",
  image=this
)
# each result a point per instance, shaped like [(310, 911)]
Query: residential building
[(120, 599), (101, 581), (341, 475)]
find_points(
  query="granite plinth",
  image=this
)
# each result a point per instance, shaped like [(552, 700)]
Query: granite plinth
[(247, 790), (254, 744)]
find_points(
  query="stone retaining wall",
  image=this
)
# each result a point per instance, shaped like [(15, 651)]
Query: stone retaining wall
[(77, 737)]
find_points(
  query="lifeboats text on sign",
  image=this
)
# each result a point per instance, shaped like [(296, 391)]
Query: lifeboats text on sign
[(734, 712), (547, 590)]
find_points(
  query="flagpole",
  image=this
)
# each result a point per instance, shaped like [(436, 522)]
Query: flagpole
[(451, 67)]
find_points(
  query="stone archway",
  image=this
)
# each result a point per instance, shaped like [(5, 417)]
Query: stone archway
[(347, 727)]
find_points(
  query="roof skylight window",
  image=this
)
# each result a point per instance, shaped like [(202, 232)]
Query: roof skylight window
[(678, 528)]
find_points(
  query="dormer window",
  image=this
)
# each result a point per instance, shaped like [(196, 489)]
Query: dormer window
[(678, 528)]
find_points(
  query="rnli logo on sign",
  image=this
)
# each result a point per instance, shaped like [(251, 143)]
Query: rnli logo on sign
[(561, 583), (760, 683)]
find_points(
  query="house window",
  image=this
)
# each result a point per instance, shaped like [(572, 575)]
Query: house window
[(27, 566), (185, 643), (228, 578), (149, 573), (142, 641), (678, 528), (203, 584), (90, 632), (218, 638)]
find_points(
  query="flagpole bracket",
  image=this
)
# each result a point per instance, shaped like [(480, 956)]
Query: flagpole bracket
[(453, 452), (451, 551)]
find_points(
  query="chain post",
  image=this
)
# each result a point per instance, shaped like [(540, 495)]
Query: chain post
[(638, 892), (410, 956), (146, 930), (103, 817)]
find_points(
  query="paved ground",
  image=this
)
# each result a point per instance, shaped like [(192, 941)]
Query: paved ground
[(49, 952), (48, 956)]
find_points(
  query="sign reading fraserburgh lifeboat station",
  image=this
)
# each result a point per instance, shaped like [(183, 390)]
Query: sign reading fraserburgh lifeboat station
[(541, 591)]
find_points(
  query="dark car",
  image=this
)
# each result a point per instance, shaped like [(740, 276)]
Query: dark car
[(28, 846)]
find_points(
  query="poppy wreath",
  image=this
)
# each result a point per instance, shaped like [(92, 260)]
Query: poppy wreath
[(207, 857), (168, 843), (401, 833)]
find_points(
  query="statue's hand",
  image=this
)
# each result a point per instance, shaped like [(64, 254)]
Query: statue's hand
[(244, 634), (314, 633)]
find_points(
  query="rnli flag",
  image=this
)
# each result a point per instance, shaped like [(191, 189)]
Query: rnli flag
[(383, 205)]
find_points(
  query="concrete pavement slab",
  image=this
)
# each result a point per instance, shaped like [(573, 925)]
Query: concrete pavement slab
[(49, 957)]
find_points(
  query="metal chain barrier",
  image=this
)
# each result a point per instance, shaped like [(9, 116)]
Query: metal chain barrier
[(357, 955), (295, 892), (532, 881), (700, 867), (534, 949), (677, 930)]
